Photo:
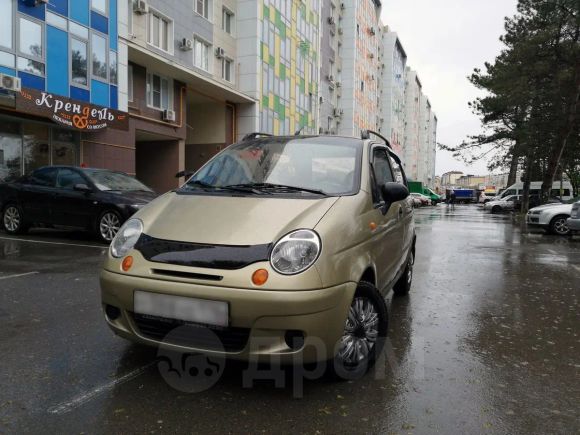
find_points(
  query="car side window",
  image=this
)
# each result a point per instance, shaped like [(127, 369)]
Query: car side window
[(67, 178), (382, 172), (44, 177)]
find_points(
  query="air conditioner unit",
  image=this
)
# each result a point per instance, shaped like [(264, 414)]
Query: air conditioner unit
[(169, 115), (338, 84), (140, 7), (220, 53), (340, 30), (186, 44), (342, 6), (372, 56), (330, 78), (321, 100), (372, 31), (337, 112), (10, 83), (330, 20)]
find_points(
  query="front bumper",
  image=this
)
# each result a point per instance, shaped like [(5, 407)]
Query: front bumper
[(573, 224), (259, 319), (539, 220)]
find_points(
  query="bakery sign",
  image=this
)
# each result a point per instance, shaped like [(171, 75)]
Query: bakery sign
[(70, 113)]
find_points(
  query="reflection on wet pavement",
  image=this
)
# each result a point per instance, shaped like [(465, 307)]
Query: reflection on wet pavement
[(487, 342)]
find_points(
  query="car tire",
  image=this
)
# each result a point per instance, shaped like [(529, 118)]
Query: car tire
[(362, 341), (559, 226), (13, 220), (108, 225), (496, 209), (403, 286)]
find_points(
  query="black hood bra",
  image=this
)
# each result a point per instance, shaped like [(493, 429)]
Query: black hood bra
[(225, 257)]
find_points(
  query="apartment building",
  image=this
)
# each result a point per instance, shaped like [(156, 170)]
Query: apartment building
[(331, 47), (450, 178), (413, 123), (360, 67), (392, 89)]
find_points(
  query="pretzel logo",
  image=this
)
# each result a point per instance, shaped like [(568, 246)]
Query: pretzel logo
[(82, 122)]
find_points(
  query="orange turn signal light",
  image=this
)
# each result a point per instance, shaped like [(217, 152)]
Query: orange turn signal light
[(127, 263), (373, 226), (260, 276)]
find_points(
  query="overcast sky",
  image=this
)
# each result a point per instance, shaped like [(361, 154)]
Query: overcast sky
[(444, 41)]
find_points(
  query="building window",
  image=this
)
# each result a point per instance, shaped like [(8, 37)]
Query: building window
[(79, 65), (201, 54), (227, 21), (130, 83), (158, 92), (227, 69), (31, 66), (99, 50), (160, 31), (78, 30), (362, 85), (113, 67), (7, 59), (31, 43), (6, 7), (202, 8), (99, 6)]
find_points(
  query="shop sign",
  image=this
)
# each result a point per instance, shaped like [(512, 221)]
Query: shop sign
[(70, 113)]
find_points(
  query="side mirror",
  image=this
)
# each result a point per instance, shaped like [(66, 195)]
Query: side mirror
[(393, 192), (185, 174), (81, 187)]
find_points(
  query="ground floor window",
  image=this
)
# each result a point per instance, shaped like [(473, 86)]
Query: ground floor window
[(26, 146)]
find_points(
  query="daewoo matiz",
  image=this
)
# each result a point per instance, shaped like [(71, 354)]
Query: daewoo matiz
[(280, 246)]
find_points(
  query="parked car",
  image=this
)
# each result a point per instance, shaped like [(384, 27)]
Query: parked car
[(420, 200), (574, 219), (552, 217), (504, 204), (260, 244), (486, 197), (97, 200)]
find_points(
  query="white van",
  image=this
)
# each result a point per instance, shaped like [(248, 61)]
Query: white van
[(536, 189)]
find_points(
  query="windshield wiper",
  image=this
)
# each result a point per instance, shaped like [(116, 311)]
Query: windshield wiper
[(279, 187), (204, 185)]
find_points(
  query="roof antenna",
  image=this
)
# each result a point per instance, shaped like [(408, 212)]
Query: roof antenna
[(299, 131)]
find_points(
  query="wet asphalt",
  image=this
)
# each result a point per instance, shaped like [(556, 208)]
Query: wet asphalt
[(488, 341)]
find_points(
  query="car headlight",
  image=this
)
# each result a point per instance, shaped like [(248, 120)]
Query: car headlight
[(126, 237), (295, 252)]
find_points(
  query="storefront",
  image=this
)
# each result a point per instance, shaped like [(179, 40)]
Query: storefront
[(38, 129), (25, 146)]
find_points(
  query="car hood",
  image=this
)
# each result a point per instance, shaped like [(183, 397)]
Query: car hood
[(227, 220), (558, 208), (132, 196)]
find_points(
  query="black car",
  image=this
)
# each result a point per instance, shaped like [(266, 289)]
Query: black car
[(97, 200)]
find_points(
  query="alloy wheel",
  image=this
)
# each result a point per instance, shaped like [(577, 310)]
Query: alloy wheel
[(109, 226), (560, 226), (12, 219), (360, 332)]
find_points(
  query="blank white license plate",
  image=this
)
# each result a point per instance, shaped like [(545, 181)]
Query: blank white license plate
[(182, 308)]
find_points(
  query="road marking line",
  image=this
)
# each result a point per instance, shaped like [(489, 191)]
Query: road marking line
[(66, 407), (18, 275), (53, 243), (551, 251)]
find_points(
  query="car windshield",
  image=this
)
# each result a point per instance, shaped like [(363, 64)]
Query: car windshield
[(304, 166), (114, 181)]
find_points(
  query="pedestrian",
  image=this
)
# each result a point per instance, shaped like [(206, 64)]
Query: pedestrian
[(451, 201)]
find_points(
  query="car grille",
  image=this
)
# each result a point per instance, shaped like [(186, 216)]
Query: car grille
[(534, 220), (192, 334)]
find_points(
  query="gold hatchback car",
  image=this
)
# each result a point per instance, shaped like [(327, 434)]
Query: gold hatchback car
[(282, 247)]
